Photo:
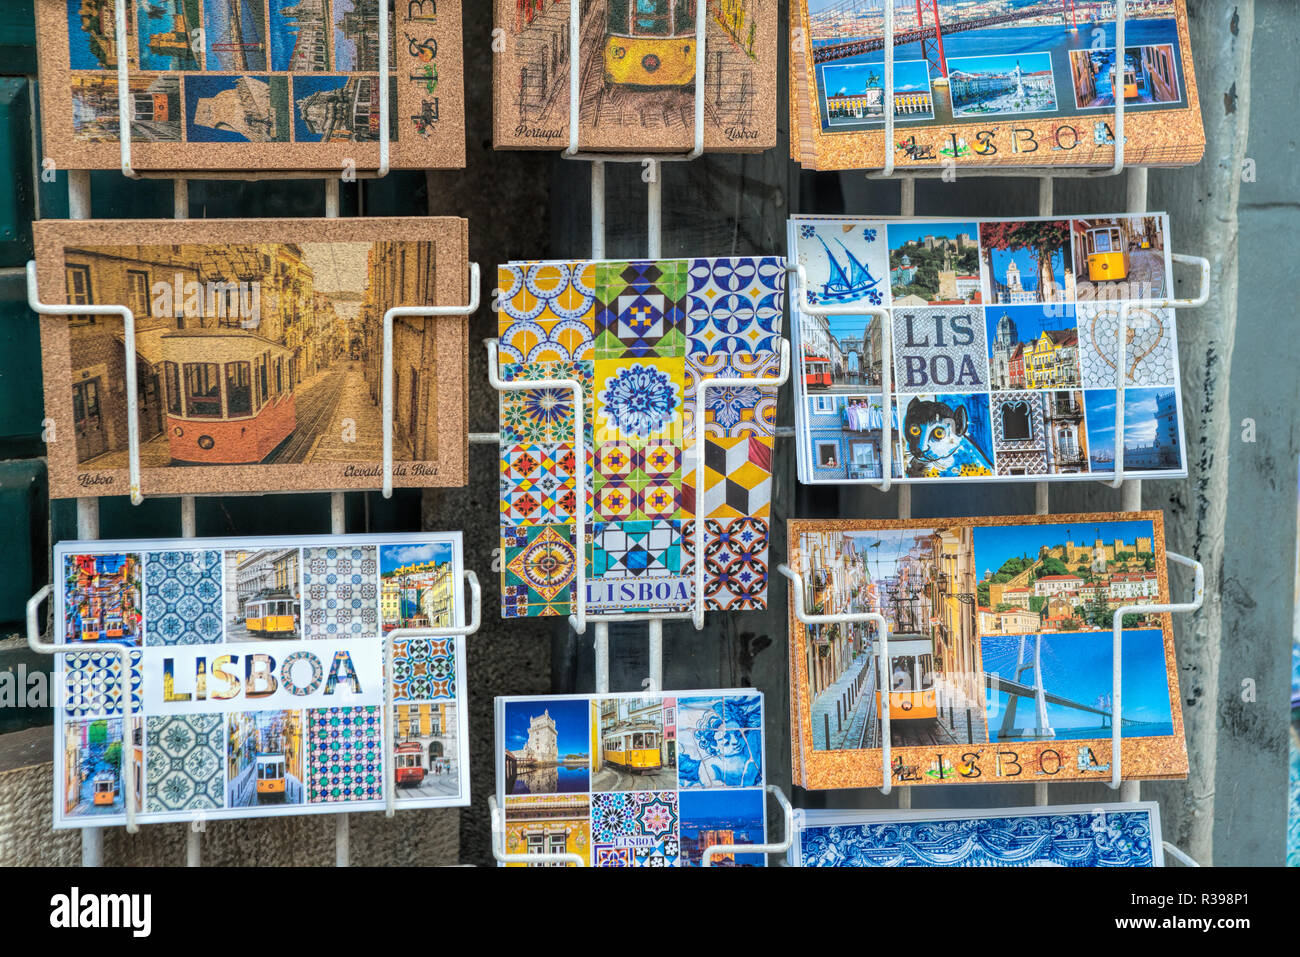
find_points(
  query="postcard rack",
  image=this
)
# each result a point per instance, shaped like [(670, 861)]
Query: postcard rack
[(124, 117)]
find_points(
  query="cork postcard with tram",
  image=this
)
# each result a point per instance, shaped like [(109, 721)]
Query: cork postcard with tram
[(258, 353), (999, 660), (637, 74), (227, 85), (993, 82)]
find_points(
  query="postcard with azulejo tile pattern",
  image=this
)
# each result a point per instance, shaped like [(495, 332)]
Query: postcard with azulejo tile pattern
[(639, 337)]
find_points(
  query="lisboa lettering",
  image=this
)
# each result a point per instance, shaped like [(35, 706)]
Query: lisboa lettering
[(669, 591), (235, 677)]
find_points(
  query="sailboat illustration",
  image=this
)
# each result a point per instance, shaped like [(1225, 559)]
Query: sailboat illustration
[(846, 285)]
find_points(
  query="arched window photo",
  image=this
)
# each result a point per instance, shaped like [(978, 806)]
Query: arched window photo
[(1015, 422)]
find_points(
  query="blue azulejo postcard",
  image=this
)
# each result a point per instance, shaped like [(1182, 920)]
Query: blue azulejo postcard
[(632, 780), (244, 677), (1110, 835)]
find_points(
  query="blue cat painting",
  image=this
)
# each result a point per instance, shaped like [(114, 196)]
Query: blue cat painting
[(939, 443)]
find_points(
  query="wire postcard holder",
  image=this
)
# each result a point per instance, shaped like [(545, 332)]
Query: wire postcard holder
[(805, 305), (888, 171), (124, 113), (132, 395)]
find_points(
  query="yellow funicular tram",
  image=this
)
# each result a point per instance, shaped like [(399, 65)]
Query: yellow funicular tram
[(650, 43), (909, 676), (635, 748), (270, 777), (1106, 252), (105, 788), (274, 617)]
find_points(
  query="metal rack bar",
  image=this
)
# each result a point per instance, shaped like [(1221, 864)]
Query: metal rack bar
[(124, 113), (575, 96), (1121, 357), (702, 388), (390, 699), (1177, 854), (801, 300), (132, 395), (779, 847), (887, 171), (561, 858), (123, 654), (797, 592), (1116, 711), (404, 312)]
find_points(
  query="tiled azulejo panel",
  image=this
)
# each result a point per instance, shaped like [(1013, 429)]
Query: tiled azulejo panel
[(639, 337)]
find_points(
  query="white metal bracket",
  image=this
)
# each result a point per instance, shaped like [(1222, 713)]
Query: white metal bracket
[(408, 312), (563, 858), (124, 110), (714, 851), (1116, 711), (132, 393), (123, 654), (882, 655), (390, 699)]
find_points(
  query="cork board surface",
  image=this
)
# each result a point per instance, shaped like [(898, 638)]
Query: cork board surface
[(1060, 136), (625, 106), (259, 348), (924, 753), (262, 91)]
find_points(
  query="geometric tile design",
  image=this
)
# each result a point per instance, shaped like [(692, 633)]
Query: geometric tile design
[(182, 598), (183, 762), (658, 329), (94, 684), (547, 312), (639, 309), (737, 478), (735, 562), (538, 484), (345, 748), (538, 569), (339, 592), (735, 305), (424, 669), (635, 829)]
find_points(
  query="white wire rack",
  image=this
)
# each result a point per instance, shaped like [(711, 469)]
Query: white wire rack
[(401, 634), (132, 395), (124, 111), (799, 296), (123, 654), (797, 593)]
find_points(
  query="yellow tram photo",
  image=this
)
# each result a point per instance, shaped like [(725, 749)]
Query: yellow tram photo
[(270, 776), (272, 617), (633, 749), (650, 43), (105, 788), (910, 679), (1107, 253)]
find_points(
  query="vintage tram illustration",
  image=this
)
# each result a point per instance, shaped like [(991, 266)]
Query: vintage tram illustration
[(637, 72)]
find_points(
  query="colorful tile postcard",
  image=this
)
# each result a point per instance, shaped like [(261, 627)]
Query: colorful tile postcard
[(258, 364), (255, 687), (626, 780), (639, 337), (1004, 342), (1000, 651), (1107, 835), (231, 86), (637, 75), (1024, 83)]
